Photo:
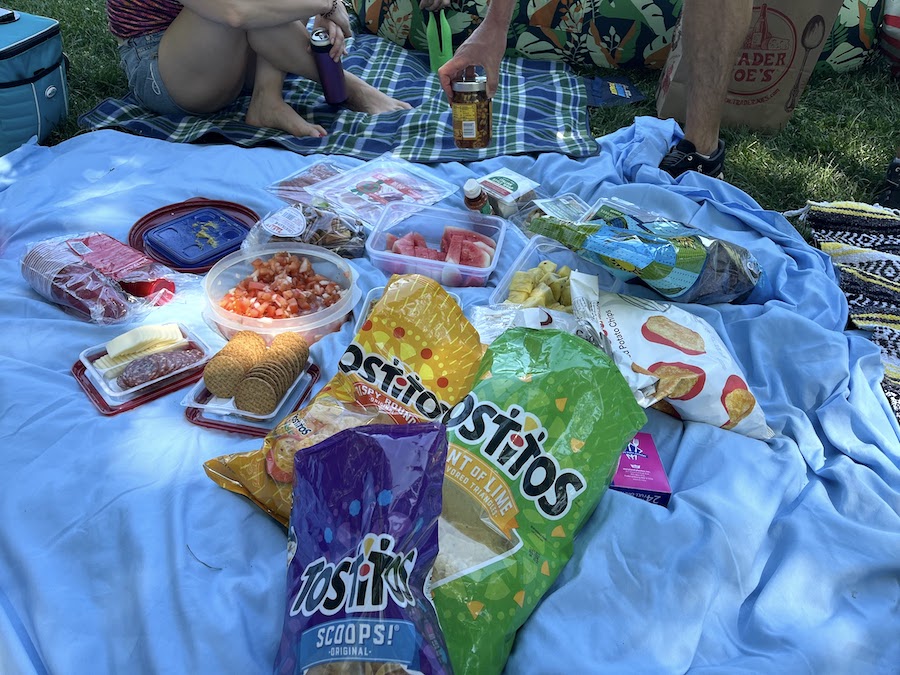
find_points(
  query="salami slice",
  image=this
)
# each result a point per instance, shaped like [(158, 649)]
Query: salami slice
[(151, 367)]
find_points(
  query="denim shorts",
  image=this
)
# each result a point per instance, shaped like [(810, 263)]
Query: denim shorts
[(140, 60)]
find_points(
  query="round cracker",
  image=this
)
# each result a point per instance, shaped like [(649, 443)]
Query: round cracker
[(255, 395), (290, 360), (273, 373), (222, 375)]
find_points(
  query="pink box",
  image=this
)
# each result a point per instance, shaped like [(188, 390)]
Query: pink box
[(640, 473)]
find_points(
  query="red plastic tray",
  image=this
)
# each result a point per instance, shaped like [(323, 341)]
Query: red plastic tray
[(105, 408), (244, 215), (195, 415)]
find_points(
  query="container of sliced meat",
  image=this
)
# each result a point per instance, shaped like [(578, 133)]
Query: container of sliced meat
[(454, 247), (145, 370)]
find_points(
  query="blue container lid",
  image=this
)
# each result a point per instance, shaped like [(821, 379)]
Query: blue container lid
[(198, 238)]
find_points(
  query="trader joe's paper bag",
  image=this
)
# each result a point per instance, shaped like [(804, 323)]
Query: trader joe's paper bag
[(532, 449), (772, 69)]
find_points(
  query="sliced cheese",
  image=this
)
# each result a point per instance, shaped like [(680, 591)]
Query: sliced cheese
[(143, 337), (112, 366)]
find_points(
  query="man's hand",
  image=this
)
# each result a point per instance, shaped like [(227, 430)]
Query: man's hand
[(484, 48)]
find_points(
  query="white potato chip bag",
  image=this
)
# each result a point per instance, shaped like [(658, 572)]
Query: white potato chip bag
[(673, 361)]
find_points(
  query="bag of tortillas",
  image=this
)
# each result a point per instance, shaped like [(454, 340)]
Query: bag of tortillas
[(673, 361)]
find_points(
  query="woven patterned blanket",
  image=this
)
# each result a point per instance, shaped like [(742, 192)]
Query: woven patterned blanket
[(864, 243), (540, 106)]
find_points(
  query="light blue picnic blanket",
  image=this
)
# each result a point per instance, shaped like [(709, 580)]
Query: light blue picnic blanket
[(118, 554), (540, 106)]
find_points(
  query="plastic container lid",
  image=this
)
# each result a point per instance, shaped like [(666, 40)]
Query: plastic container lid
[(197, 238), (244, 217)]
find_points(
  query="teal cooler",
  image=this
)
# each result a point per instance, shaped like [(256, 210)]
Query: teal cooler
[(33, 92)]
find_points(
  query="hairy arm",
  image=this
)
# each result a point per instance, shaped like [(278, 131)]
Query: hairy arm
[(484, 47)]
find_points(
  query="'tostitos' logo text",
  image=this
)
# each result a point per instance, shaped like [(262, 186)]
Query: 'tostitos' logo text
[(363, 583), (513, 440)]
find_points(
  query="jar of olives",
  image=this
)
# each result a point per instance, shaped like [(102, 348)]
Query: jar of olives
[(472, 112)]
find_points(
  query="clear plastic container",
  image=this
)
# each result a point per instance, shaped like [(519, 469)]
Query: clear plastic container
[(542, 248), (374, 296), (232, 269), (399, 220), (199, 397), (366, 190), (113, 394)]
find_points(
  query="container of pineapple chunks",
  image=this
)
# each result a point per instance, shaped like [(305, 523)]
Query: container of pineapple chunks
[(540, 276)]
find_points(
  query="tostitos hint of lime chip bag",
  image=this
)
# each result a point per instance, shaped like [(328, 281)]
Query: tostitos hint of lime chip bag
[(360, 553), (532, 449), (413, 359)]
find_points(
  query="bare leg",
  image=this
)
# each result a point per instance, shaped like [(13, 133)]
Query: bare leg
[(268, 108), (205, 64), (285, 47), (713, 32)]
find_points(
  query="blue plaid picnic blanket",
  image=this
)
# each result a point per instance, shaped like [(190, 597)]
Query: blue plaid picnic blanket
[(540, 106)]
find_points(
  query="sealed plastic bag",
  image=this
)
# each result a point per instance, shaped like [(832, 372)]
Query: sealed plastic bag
[(306, 224), (412, 360), (362, 541), (672, 360), (96, 277), (678, 261), (532, 449)]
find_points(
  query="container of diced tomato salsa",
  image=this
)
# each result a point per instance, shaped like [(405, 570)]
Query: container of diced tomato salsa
[(280, 288)]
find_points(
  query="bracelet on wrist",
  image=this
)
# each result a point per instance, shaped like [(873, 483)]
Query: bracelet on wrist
[(328, 14)]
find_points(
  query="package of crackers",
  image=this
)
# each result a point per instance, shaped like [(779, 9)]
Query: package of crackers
[(254, 376), (412, 360)]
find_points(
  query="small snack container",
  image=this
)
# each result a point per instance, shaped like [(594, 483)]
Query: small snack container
[(110, 398), (239, 267), (539, 249), (454, 247), (223, 410)]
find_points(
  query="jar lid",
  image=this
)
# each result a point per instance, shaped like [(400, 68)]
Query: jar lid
[(472, 188), (480, 84)]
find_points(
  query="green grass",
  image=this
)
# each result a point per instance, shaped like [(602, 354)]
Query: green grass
[(836, 146)]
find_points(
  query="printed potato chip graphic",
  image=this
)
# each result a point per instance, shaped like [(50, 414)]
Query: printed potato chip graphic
[(678, 380), (737, 401), (664, 331), (413, 359)]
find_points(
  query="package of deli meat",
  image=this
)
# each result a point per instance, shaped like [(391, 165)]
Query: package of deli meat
[(96, 277)]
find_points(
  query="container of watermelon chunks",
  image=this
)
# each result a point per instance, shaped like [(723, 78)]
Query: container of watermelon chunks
[(451, 246)]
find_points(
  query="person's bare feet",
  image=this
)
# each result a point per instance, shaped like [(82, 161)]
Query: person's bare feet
[(363, 97), (280, 115)]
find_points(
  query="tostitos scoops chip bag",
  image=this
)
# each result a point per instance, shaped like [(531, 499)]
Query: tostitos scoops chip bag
[(532, 449), (413, 359), (361, 545)]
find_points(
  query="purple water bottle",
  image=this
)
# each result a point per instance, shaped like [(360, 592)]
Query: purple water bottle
[(331, 73)]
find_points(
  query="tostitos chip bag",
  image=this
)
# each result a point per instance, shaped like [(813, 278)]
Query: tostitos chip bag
[(413, 359), (361, 546), (532, 449)]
